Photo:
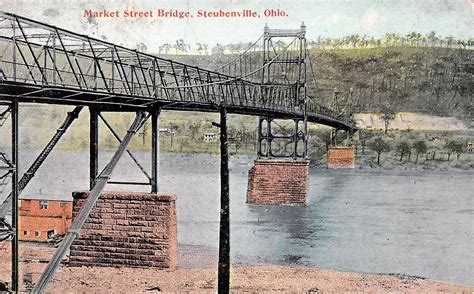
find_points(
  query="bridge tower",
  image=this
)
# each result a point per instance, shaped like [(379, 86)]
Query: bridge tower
[(280, 174), (282, 69)]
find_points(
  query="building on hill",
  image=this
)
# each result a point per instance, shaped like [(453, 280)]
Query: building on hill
[(43, 218), (210, 137)]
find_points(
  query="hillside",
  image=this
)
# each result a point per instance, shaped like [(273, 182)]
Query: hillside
[(431, 80)]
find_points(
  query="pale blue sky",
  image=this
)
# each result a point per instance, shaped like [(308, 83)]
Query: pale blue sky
[(327, 18)]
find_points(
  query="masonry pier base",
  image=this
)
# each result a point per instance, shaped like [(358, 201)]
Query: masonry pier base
[(278, 182), (127, 229), (341, 157)]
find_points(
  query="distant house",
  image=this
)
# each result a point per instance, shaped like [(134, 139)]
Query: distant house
[(210, 137), (167, 132), (43, 219), (470, 146)]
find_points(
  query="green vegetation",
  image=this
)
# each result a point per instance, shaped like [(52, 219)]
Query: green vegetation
[(429, 80), (430, 149)]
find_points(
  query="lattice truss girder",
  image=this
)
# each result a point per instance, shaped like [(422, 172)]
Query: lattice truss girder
[(43, 55), (43, 63)]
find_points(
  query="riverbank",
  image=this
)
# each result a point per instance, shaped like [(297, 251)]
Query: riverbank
[(191, 277)]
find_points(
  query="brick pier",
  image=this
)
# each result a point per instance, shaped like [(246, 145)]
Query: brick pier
[(341, 157), (278, 182), (127, 229)]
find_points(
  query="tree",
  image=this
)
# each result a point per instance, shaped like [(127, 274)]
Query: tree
[(380, 146), (202, 48), (248, 137), (174, 130), (432, 38), (450, 147), (459, 150), (403, 148), (449, 41), (235, 137), (454, 147), (218, 49), (233, 48), (141, 47), (387, 116), (164, 48), (420, 148), (325, 137), (193, 129), (181, 46), (364, 136)]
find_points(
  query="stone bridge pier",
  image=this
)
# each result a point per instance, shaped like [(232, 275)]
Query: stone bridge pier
[(341, 155), (127, 229), (280, 174), (278, 182)]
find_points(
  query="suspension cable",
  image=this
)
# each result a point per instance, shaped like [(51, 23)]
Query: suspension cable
[(230, 79), (239, 55)]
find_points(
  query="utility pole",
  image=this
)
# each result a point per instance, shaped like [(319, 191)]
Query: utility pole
[(15, 201), (224, 225)]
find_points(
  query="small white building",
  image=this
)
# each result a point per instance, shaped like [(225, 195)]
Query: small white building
[(167, 132), (210, 137)]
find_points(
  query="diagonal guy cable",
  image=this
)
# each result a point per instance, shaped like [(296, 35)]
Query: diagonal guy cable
[(79, 221)]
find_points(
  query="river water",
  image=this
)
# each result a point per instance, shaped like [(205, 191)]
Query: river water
[(410, 222)]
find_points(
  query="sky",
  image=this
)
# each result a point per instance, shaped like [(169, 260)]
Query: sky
[(326, 18)]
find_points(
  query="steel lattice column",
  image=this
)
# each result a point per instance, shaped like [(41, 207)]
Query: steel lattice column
[(155, 151), (224, 230), (15, 201), (93, 146), (289, 69)]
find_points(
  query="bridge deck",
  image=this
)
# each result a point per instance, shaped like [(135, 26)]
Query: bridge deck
[(40, 63)]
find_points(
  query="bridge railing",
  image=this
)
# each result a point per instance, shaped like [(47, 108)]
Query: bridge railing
[(48, 57), (313, 107)]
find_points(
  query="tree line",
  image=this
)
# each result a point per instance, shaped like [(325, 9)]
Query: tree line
[(414, 39)]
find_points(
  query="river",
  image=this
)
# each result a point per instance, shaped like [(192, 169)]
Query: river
[(374, 221)]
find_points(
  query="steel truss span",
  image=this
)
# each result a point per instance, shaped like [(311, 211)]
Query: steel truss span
[(41, 63)]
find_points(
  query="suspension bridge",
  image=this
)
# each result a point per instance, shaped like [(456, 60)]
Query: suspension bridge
[(41, 63)]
